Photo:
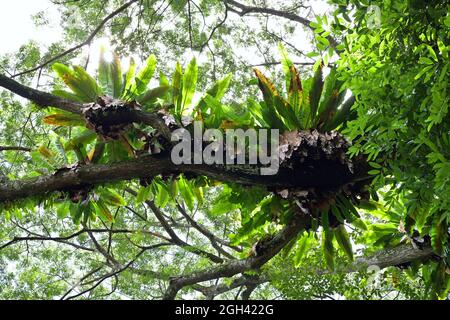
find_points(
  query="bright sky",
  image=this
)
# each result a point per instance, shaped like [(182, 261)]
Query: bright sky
[(17, 26)]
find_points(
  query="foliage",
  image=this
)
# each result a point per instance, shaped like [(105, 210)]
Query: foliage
[(385, 89)]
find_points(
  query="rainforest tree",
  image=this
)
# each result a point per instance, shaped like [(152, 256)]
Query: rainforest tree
[(93, 205)]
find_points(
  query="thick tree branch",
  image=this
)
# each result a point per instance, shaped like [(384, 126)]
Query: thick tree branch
[(391, 257), (234, 267), (323, 175), (45, 99), (41, 98)]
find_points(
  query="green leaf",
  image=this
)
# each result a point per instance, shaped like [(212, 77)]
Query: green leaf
[(316, 92), (104, 73), (64, 119), (178, 5), (97, 152), (343, 240), (62, 210), (286, 112), (162, 196), (303, 245), (103, 211), (67, 95), (111, 197), (87, 83), (83, 138), (79, 81), (342, 115), (437, 233), (177, 83), (186, 193), (143, 194), (150, 96), (286, 65), (128, 79), (327, 248), (144, 76), (295, 95), (189, 84), (116, 76), (220, 87), (425, 60)]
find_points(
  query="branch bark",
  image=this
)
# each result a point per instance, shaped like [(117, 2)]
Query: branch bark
[(41, 98), (234, 267)]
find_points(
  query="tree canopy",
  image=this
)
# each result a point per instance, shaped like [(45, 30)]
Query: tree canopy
[(93, 205)]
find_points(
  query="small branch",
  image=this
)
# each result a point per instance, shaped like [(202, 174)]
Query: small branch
[(82, 44), (244, 9), (14, 148), (234, 267)]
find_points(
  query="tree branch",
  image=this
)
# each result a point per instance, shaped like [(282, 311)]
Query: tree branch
[(244, 9), (234, 267), (14, 148), (41, 98), (82, 44)]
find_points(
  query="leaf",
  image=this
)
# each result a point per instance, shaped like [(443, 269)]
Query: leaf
[(111, 197), (103, 211), (104, 74), (128, 79), (343, 240), (97, 152), (220, 87), (162, 197), (295, 94), (327, 248), (186, 193), (286, 112), (150, 96), (86, 83), (67, 95), (341, 116), (425, 60), (437, 233), (267, 88), (83, 138), (62, 210), (144, 76), (303, 245), (189, 84), (316, 92), (255, 110), (177, 83), (143, 194), (269, 112), (198, 192), (359, 224), (45, 152), (115, 70), (64, 119), (331, 98), (178, 5), (286, 65)]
